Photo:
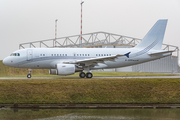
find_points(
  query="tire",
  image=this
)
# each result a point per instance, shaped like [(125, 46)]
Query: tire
[(89, 75), (28, 75), (82, 75)]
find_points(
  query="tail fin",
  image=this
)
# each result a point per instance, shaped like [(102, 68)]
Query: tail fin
[(154, 38)]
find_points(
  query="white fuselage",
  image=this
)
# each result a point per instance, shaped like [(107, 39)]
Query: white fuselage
[(48, 58)]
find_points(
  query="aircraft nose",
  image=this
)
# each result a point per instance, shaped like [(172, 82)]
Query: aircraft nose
[(5, 61)]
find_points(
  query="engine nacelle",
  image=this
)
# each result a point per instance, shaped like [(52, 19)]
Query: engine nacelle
[(63, 69)]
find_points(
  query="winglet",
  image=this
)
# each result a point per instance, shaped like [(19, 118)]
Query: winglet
[(127, 54)]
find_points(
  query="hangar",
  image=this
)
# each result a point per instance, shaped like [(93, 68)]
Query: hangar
[(109, 40)]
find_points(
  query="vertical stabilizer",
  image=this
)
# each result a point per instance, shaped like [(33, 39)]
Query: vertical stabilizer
[(154, 38)]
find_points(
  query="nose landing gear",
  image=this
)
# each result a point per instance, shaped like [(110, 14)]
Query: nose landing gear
[(29, 75)]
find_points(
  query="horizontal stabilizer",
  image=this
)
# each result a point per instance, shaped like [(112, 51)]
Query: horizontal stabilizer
[(159, 53)]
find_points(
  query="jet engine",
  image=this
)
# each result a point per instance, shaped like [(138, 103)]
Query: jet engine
[(63, 69)]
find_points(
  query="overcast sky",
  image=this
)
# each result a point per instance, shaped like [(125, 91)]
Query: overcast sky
[(31, 20)]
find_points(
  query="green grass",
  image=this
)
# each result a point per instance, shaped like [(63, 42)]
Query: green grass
[(90, 91), (6, 71)]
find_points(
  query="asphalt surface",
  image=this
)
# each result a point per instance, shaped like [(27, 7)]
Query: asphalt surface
[(87, 106), (88, 78)]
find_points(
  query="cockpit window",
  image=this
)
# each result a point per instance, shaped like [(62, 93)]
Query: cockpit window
[(15, 54)]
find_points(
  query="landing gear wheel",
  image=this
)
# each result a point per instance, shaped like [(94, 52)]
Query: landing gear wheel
[(28, 75), (82, 75), (89, 75)]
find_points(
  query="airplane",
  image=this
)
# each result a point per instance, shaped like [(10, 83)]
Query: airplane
[(67, 61)]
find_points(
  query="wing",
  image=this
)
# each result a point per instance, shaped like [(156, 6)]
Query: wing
[(99, 59), (94, 61)]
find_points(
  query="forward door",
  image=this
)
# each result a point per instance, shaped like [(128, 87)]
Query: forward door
[(29, 55)]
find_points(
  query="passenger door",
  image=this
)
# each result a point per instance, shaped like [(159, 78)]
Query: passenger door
[(29, 55)]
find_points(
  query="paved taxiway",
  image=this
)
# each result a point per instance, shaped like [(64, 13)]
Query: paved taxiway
[(88, 106), (91, 78)]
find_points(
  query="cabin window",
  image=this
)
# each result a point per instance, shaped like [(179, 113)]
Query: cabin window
[(57, 54), (66, 54), (77, 54), (104, 54), (88, 54), (85, 54), (43, 54), (82, 54), (101, 54)]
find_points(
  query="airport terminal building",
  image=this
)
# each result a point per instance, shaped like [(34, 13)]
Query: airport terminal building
[(109, 40)]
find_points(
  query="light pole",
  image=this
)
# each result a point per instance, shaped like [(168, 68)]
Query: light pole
[(55, 30), (81, 21)]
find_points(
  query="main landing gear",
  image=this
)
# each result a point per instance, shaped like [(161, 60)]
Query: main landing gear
[(29, 75), (87, 75)]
